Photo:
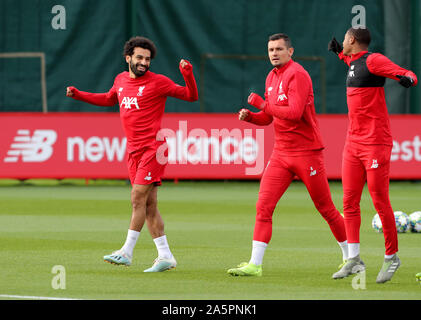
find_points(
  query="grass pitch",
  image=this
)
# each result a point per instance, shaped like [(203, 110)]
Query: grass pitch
[(209, 226)]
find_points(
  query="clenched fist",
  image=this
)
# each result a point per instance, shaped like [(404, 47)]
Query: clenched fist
[(69, 91), (256, 101), (243, 114), (185, 66)]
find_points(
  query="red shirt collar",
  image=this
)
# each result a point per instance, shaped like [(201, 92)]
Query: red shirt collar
[(145, 76), (279, 70), (358, 55)]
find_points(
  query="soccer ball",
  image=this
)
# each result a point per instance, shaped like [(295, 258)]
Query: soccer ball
[(415, 221), (376, 223), (402, 221)]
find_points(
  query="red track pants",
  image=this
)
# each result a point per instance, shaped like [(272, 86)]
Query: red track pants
[(369, 163), (277, 177)]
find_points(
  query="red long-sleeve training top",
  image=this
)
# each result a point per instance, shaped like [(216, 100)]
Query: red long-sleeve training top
[(289, 102), (367, 111), (142, 103)]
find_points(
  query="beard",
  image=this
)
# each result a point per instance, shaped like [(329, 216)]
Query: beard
[(134, 68)]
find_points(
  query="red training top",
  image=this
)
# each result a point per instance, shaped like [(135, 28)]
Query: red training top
[(142, 103), (368, 117), (289, 100)]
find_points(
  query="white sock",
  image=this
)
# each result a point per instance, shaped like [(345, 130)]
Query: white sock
[(353, 250), (257, 253), (344, 247), (386, 256), (163, 247), (131, 240)]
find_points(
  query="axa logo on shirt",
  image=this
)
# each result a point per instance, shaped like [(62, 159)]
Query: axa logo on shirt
[(281, 95), (35, 148), (127, 102)]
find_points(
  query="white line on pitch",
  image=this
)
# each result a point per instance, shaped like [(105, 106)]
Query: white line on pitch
[(10, 296)]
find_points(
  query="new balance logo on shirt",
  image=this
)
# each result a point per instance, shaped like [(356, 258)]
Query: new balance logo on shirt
[(351, 71)]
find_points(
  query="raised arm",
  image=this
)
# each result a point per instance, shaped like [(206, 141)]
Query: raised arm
[(337, 49), (107, 99), (298, 92), (260, 118), (189, 92), (382, 66)]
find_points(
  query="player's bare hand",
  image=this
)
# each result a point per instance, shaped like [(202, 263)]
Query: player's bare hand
[(185, 66), (243, 114), (69, 91)]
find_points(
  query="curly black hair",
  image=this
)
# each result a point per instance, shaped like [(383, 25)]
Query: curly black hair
[(140, 42)]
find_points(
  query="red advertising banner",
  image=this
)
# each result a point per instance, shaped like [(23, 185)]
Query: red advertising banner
[(200, 146)]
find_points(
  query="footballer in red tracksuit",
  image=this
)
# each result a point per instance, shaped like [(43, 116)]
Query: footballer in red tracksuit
[(141, 96), (142, 103), (368, 145), (298, 149)]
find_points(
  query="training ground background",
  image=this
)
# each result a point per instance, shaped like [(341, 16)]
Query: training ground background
[(209, 225)]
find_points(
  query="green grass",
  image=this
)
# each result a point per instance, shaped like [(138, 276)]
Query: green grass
[(209, 226)]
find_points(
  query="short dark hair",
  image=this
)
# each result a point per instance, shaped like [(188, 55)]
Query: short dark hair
[(361, 35), (278, 36), (140, 42)]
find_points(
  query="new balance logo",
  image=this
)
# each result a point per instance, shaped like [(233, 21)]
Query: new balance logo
[(374, 165), (313, 172), (127, 102), (37, 148), (351, 72), (148, 177)]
